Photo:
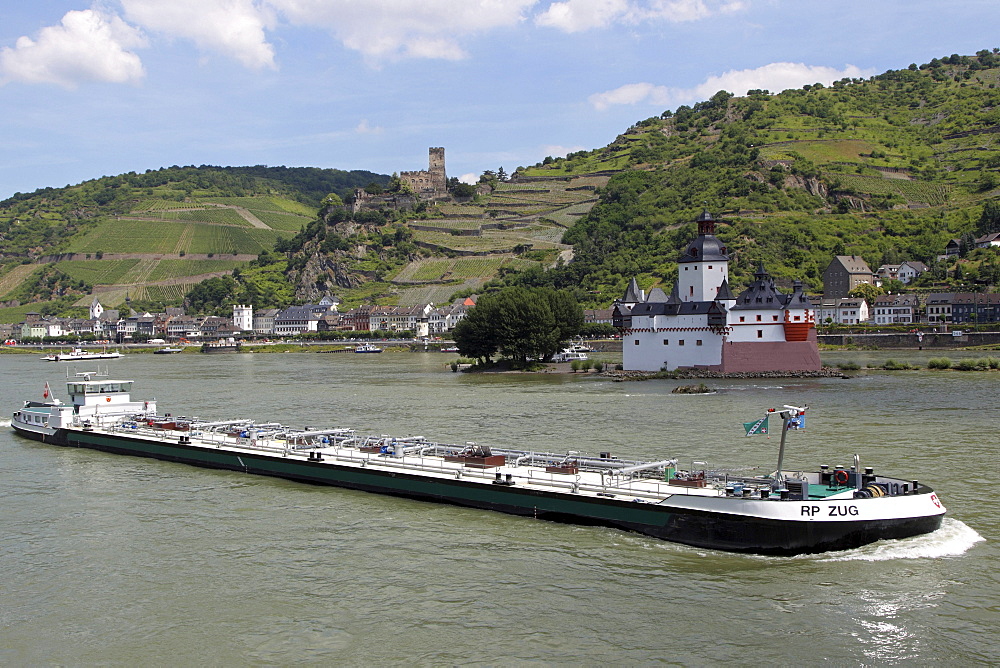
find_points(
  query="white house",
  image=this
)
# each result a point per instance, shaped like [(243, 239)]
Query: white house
[(990, 240), (841, 310), (911, 270), (895, 309)]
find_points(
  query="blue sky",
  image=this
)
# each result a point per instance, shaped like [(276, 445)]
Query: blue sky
[(88, 90)]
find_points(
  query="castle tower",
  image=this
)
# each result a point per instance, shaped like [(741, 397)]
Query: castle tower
[(243, 317), (435, 165), (704, 267), (433, 181)]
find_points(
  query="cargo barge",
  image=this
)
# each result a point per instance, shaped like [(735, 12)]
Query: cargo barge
[(782, 513)]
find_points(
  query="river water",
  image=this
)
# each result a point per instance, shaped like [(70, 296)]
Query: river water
[(120, 561)]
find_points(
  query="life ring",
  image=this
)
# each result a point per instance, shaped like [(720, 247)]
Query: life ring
[(107, 399), (841, 476)]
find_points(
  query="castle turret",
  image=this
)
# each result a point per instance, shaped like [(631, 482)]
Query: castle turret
[(704, 266)]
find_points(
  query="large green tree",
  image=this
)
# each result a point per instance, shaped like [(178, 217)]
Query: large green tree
[(520, 324)]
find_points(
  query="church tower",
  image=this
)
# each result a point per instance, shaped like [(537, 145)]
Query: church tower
[(704, 267), (96, 309)]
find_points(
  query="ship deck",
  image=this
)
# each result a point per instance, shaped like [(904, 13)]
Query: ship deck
[(604, 476)]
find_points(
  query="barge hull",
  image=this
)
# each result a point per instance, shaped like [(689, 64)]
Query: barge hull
[(698, 528)]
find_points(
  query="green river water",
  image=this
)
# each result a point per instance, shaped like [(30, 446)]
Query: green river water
[(120, 561)]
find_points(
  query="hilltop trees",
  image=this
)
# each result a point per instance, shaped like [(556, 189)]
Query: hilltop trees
[(520, 324)]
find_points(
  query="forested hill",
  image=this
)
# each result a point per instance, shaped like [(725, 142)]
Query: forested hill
[(889, 168)]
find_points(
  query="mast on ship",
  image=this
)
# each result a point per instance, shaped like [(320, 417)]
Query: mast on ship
[(791, 418)]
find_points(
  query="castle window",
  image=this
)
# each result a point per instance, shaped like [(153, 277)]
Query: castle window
[(760, 333), (743, 318), (666, 342), (681, 342), (759, 318), (698, 342), (636, 342), (694, 252), (709, 266), (775, 318)]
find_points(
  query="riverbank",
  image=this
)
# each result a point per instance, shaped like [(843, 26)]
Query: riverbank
[(694, 374)]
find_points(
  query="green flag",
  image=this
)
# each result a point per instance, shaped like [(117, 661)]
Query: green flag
[(756, 428)]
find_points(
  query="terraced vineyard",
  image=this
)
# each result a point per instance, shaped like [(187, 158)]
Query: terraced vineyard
[(264, 204), (13, 278), (914, 192), (212, 215), (286, 222), (539, 210), (221, 240), (129, 236), (172, 269), (436, 294), (459, 268), (97, 272), (491, 241), (453, 223)]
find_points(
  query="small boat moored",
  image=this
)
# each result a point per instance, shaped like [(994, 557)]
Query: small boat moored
[(568, 355), (81, 355), (367, 348), (167, 351), (785, 512)]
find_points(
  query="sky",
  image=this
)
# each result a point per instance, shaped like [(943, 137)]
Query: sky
[(91, 90)]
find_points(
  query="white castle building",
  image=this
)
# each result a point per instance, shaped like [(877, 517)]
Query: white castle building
[(701, 324)]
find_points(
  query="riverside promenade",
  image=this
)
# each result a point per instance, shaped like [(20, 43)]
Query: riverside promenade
[(957, 338)]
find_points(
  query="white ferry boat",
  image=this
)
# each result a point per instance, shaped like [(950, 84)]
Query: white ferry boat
[(786, 512), (81, 355)]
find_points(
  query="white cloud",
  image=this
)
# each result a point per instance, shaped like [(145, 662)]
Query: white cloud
[(632, 93), (471, 178), (363, 128), (577, 15), (775, 77), (232, 27), (557, 151), (390, 29), (87, 45)]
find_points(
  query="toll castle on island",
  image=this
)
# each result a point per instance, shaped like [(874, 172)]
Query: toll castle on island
[(702, 325)]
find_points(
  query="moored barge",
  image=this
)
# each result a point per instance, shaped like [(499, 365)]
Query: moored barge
[(783, 513)]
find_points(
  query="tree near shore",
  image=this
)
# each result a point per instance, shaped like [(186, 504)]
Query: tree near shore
[(520, 324)]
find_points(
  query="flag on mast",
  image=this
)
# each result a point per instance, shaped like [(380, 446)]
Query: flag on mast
[(47, 393), (756, 428)]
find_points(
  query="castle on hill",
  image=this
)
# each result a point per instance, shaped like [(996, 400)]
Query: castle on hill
[(702, 325), (432, 182), (426, 185)]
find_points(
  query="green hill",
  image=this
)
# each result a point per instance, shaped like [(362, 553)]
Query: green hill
[(889, 168), (153, 236)]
